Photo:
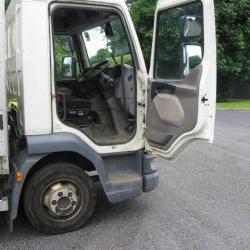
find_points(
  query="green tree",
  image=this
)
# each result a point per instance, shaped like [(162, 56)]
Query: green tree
[(7, 2), (142, 12), (233, 39), (119, 46), (102, 55), (233, 35)]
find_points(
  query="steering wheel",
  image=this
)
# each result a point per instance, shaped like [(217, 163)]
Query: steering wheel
[(93, 72)]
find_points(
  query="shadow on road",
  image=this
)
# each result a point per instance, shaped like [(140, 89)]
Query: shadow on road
[(104, 212)]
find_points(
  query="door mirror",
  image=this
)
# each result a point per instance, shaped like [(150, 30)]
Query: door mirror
[(191, 26), (192, 57), (69, 67)]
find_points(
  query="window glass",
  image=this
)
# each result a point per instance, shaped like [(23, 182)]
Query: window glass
[(64, 47), (108, 42), (179, 43)]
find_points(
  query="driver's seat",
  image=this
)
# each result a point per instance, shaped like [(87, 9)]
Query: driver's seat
[(70, 106)]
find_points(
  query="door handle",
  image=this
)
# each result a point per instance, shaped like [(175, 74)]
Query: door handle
[(204, 99)]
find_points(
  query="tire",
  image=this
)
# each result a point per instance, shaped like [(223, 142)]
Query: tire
[(59, 198)]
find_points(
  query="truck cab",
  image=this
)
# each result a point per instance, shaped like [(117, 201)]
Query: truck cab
[(81, 106)]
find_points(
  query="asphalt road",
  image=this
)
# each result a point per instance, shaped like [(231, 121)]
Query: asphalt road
[(203, 202)]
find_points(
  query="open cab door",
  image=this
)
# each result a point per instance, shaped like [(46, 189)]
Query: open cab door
[(181, 97)]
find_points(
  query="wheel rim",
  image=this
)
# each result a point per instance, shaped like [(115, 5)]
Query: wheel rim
[(62, 200)]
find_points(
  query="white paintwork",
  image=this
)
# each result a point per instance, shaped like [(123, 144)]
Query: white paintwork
[(28, 66), (4, 165), (30, 74), (204, 129)]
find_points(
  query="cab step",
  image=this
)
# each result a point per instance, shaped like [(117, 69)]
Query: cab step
[(124, 186), (126, 179)]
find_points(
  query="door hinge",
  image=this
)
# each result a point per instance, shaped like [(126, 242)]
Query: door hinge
[(1, 122), (142, 104)]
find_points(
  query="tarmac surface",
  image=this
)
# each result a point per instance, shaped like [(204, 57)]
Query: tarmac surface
[(202, 202)]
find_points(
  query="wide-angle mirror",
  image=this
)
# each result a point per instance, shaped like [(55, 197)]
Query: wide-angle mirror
[(192, 26)]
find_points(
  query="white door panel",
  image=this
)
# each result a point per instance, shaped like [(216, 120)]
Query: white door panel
[(183, 68)]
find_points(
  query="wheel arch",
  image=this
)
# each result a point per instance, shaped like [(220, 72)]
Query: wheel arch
[(65, 157), (42, 150)]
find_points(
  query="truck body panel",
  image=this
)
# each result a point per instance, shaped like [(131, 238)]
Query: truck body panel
[(4, 165), (25, 65), (4, 159), (159, 113)]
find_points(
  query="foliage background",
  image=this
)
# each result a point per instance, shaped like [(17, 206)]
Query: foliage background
[(6, 3), (233, 39)]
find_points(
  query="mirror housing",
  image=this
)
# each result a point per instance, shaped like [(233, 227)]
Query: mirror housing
[(108, 30), (69, 67), (191, 26), (110, 33)]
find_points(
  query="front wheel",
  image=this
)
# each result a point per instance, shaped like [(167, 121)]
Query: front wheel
[(59, 198)]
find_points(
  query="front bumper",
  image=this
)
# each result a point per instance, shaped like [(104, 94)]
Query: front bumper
[(150, 174), (150, 181)]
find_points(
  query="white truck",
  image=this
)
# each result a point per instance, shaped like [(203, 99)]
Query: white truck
[(78, 106)]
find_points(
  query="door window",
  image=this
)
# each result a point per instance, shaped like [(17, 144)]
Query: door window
[(179, 43), (66, 58)]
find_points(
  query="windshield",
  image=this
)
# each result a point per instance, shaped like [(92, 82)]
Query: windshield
[(107, 42)]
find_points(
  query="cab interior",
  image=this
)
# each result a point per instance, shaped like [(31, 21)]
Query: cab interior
[(95, 83)]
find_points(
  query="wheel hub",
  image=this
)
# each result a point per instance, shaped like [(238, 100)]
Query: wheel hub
[(61, 199)]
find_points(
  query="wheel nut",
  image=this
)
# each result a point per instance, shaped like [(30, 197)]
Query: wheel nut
[(60, 194), (54, 202), (73, 203), (70, 194)]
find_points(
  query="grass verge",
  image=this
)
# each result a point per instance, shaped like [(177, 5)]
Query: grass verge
[(244, 104)]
